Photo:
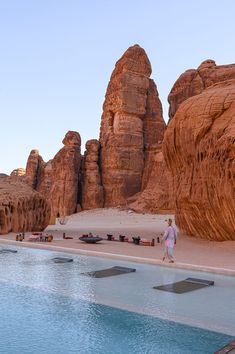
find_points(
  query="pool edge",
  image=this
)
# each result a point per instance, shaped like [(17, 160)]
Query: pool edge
[(178, 265)]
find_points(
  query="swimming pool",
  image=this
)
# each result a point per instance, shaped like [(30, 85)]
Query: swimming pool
[(52, 308)]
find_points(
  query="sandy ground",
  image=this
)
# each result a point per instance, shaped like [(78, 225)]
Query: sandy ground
[(192, 253)]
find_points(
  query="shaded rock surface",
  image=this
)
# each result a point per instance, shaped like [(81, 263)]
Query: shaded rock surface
[(58, 179), (64, 176), (199, 150), (194, 81), (21, 207), (157, 197), (131, 122), (34, 168), (92, 190)]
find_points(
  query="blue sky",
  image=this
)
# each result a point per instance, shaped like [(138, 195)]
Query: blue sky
[(57, 57)]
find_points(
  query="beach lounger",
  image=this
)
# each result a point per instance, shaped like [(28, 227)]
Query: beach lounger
[(185, 286), (109, 272)]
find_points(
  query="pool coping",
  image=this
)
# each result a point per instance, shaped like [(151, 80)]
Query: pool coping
[(178, 265)]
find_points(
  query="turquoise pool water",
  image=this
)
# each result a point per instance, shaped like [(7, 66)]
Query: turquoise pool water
[(52, 308)]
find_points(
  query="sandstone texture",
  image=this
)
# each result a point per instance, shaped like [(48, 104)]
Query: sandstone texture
[(199, 150), (21, 208), (34, 167), (19, 174), (45, 181), (92, 190), (58, 179), (65, 168), (131, 123), (194, 81), (157, 197)]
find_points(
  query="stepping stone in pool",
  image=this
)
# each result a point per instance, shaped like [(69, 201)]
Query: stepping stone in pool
[(8, 250), (62, 260), (185, 286), (109, 272)]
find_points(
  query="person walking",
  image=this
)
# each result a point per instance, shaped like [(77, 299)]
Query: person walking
[(169, 238)]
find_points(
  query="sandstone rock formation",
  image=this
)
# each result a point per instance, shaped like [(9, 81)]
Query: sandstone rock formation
[(44, 184), (34, 167), (92, 190), (21, 208), (65, 168), (18, 174), (157, 197), (131, 122), (199, 150), (58, 179), (194, 81)]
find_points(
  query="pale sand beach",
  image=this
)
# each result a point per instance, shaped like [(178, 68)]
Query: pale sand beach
[(191, 253)]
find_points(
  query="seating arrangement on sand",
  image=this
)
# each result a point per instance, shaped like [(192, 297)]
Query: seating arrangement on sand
[(109, 272), (185, 286), (39, 237), (137, 240)]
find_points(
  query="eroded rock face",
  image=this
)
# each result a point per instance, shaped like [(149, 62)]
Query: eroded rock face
[(45, 181), (131, 112), (157, 197), (21, 208), (199, 149), (34, 168), (153, 128), (92, 190), (64, 176), (58, 179), (194, 81)]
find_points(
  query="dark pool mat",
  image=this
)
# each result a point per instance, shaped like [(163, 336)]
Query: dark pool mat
[(109, 272), (62, 260), (227, 349), (7, 250), (185, 286), (200, 281)]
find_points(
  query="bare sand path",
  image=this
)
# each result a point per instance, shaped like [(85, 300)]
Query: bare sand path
[(191, 253)]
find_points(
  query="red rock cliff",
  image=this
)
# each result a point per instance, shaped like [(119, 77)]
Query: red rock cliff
[(199, 149), (194, 81), (131, 122), (21, 208), (58, 179), (65, 176), (92, 190)]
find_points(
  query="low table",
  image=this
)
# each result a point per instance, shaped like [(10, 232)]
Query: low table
[(93, 239)]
